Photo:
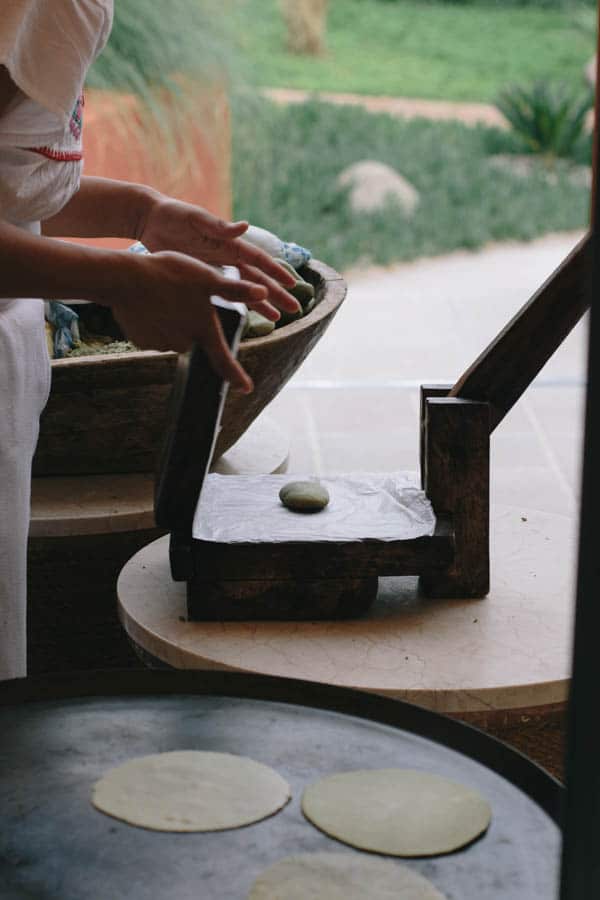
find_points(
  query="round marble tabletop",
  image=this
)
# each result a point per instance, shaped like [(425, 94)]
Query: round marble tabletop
[(510, 651), (104, 504)]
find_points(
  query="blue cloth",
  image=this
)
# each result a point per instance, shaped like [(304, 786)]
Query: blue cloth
[(66, 327), (138, 247), (296, 255)]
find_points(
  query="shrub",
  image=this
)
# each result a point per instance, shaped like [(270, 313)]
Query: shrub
[(548, 119), (286, 162)]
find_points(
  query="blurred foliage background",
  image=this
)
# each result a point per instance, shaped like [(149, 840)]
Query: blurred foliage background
[(415, 48), (289, 185), (286, 160), (152, 43)]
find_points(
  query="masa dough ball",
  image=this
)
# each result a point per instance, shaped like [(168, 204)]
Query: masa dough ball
[(304, 496)]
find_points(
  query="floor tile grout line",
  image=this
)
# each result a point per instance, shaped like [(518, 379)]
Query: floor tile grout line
[(326, 384), (552, 459)]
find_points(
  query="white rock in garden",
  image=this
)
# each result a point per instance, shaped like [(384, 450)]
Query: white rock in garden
[(590, 72), (372, 183), (528, 165)]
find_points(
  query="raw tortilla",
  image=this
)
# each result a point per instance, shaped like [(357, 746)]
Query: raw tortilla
[(396, 811), (341, 876), (191, 791)]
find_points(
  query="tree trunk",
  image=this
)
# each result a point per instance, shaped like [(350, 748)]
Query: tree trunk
[(306, 25)]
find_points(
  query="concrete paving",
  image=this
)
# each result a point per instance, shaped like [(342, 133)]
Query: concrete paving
[(353, 405)]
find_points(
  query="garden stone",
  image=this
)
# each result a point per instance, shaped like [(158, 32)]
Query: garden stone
[(373, 184), (257, 325), (310, 306), (304, 496), (287, 317), (303, 292), (581, 176), (286, 265), (590, 72), (523, 165)]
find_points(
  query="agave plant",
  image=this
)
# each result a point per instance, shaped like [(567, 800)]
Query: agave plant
[(550, 120), (585, 20)]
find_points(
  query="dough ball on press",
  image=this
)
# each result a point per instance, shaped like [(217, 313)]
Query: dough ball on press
[(304, 496)]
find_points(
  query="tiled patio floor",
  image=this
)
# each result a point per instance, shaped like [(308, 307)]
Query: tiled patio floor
[(353, 405)]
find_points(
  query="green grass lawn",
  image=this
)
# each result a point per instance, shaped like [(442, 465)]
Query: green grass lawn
[(416, 48), (286, 161)]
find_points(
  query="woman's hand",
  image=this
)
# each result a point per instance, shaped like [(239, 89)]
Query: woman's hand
[(162, 302), (168, 224)]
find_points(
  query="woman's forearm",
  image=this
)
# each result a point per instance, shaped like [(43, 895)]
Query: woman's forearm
[(102, 207), (161, 300), (37, 266)]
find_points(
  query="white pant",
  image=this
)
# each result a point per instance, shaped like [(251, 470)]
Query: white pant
[(33, 187), (24, 388)]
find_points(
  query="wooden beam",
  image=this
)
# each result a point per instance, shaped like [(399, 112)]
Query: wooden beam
[(315, 560), (509, 364)]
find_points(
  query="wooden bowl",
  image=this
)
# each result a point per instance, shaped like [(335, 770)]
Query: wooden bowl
[(108, 413)]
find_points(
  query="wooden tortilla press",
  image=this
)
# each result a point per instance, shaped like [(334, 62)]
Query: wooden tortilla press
[(320, 579)]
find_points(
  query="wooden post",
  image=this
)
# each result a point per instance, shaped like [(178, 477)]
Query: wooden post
[(580, 872), (427, 391), (596, 150), (455, 477), (509, 364)]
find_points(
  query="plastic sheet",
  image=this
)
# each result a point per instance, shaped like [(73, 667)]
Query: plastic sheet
[(247, 509)]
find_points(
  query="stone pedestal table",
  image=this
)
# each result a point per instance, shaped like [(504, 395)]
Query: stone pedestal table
[(501, 663)]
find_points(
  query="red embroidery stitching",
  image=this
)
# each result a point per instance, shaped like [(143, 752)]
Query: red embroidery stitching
[(58, 155)]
